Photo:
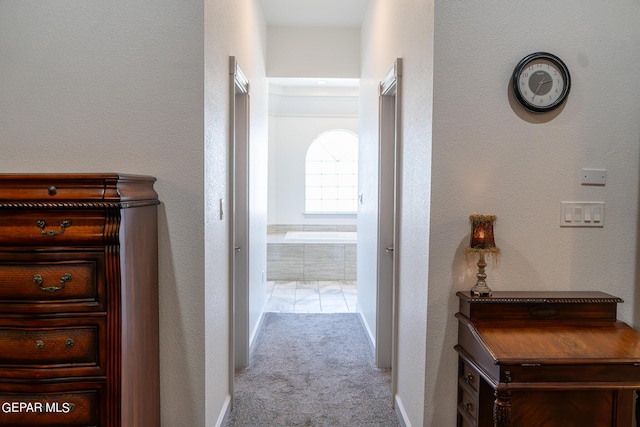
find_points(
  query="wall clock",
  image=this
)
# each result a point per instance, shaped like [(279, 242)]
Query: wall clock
[(541, 82)]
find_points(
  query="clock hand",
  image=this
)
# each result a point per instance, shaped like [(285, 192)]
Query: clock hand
[(540, 83), (538, 88)]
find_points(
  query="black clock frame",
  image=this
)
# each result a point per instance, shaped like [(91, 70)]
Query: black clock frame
[(523, 64)]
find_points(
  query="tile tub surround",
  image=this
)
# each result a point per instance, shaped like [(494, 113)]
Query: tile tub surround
[(311, 261), (283, 228), (312, 296)]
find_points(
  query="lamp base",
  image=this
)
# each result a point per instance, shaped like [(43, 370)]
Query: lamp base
[(480, 289)]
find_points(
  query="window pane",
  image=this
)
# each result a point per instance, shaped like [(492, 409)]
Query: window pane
[(329, 180), (313, 167), (329, 193), (329, 168), (329, 206), (345, 180), (347, 193), (347, 168), (314, 206), (314, 180), (331, 173), (347, 206), (314, 193)]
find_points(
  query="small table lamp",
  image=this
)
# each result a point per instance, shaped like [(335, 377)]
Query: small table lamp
[(481, 244)]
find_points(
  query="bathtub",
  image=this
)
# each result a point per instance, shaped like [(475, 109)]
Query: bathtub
[(320, 237), (312, 255)]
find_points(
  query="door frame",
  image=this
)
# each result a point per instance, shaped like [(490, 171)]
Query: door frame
[(389, 180), (238, 219)]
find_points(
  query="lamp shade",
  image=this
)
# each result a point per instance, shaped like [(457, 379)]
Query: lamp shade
[(482, 231)]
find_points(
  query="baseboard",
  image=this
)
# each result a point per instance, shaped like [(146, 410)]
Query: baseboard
[(254, 333), (365, 325), (400, 413), (224, 414)]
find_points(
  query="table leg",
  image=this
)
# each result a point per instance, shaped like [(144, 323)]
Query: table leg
[(502, 409)]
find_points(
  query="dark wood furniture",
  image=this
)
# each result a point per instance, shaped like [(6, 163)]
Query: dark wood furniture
[(78, 301), (545, 359)]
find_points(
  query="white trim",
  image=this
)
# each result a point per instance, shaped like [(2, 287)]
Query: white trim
[(365, 325), (254, 333), (401, 413), (224, 414)]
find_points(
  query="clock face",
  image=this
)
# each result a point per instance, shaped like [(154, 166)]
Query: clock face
[(541, 82)]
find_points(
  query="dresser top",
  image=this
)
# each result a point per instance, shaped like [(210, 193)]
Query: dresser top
[(75, 190), (541, 297)]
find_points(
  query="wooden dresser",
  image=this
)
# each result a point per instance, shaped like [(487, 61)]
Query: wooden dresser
[(545, 359), (78, 301)]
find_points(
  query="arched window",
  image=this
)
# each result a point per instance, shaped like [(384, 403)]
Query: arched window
[(331, 172)]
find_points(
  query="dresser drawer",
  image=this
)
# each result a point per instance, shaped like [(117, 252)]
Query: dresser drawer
[(58, 405), (21, 188), (51, 227), (52, 347), (55, 282)]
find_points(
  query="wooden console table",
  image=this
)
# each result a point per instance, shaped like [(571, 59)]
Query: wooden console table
[(545, 359)]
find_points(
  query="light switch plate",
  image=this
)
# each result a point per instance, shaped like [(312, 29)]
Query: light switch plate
[(582, 214), (594, 176)]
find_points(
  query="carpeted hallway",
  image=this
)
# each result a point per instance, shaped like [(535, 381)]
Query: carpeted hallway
[(312, 370)]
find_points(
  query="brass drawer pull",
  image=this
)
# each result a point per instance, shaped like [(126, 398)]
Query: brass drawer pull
[(39, 344), (37, 279), (63, 225), (468, 406), (469, 378)]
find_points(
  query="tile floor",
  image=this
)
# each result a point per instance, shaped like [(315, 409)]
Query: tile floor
[(312, 296)]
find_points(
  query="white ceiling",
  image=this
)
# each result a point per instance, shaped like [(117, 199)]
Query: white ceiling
[(314, 13)]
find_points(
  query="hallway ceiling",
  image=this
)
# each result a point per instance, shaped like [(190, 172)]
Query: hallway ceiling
[(314, 13)]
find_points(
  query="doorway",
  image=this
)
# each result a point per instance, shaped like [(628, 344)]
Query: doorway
[(239, 215), (312, 197), (389, 172)]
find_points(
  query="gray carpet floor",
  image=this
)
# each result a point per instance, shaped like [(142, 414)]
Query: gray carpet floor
[(312, 370)]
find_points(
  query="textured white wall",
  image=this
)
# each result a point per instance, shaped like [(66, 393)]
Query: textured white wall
[(118, 86), (489, 156), (232, 28), (391, 30), (313, 52)]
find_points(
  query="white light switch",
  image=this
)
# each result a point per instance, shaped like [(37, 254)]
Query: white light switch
[(577, 214), (597, 216), (581, 214)]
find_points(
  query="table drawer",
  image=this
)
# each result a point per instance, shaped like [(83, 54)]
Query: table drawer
[(52, 348), (470, 376), (51, 227), (469, 404), (59, 405), (57, 282)]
